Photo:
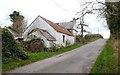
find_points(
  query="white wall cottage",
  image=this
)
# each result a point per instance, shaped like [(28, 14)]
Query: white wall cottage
[(40, 23)]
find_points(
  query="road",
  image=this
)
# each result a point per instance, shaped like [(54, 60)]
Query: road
[(79, 60)]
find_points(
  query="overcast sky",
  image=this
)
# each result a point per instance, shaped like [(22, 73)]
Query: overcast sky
[(54, 10)]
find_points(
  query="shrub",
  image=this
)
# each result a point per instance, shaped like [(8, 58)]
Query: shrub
[(10, 48), (78, 38), (53, 48), (35, 45), (92, 36)]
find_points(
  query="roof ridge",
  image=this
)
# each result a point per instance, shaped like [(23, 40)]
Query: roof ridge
[(31, 23), (63, 30), (41, 31), (53, 25)]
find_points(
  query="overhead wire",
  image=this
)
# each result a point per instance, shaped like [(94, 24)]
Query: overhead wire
[(60, 7)]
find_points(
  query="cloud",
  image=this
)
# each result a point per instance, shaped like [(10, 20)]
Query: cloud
[(54, 10), (46, 8)]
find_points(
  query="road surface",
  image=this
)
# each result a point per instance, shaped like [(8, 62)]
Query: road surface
[(79, 60)]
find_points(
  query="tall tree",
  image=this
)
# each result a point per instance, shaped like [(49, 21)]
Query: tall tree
[(110, 11), (18, 22), (113, 18)]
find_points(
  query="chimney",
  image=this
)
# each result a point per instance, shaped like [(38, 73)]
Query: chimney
[(74, 20)]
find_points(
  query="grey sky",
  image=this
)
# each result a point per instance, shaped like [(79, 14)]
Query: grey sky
[(54, 10)]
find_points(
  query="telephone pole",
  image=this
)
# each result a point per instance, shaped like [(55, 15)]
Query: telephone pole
[(82, 21)]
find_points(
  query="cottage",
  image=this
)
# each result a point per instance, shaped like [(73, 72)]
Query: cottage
[(49, 32)]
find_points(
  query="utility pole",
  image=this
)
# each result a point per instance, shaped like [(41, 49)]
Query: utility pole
[(82, 25), (81, 30), (83, 13), (82, 21)]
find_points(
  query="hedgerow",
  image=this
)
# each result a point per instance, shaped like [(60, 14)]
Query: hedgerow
[(91, 36), (10, 49)]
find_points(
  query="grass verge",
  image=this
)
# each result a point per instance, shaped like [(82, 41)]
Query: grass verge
[(106, 61), (14, 63)]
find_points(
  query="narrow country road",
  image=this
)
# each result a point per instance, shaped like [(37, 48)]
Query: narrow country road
[(79, 60)]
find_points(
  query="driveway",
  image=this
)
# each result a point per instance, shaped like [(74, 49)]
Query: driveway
[(79, 60)]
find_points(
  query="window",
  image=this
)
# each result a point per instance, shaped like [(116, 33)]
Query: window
[(63, 38)]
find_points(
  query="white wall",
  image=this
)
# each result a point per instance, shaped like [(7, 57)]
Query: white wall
[(59, 38), (39, 35), (40, 23)]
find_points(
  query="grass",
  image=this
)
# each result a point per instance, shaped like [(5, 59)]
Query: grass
[(33, 57), (107, 60)]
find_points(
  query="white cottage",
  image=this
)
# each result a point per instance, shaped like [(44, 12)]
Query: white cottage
[(48, 31)]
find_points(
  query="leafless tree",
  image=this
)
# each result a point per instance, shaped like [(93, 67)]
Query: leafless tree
[(90, 7)]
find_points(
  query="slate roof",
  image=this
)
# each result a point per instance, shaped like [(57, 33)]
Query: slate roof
[(45, 34), (67, 25)]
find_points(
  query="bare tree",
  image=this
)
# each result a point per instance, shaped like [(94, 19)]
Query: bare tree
[(100, 8), (90, 7), (110, 11)]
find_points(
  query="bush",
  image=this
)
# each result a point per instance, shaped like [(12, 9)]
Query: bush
[(35, 45), (53, 48), (92, 36), (78, 38), (10, 48)]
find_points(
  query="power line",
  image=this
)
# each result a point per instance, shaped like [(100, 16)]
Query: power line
[(60, 6)]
